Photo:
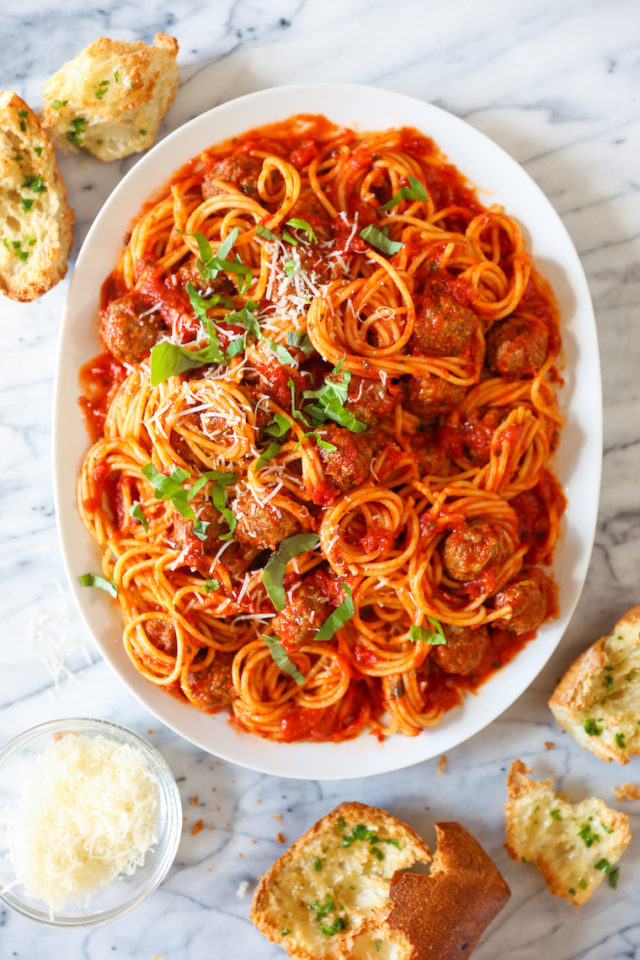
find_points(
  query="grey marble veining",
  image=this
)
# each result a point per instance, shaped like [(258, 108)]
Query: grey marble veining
[(557, 84)]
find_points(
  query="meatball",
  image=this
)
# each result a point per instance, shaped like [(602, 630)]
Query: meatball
[(444, 327), (206, 513), (162, 634), (433, 461), (261, 526), (467, 552), (242, 171), (529, 597), (348, 465), (517, 347), (189, 273), (464, 649), (430, 396), (317, 216), (304, 614), (127, 334), (273, 376), (371, 400), (212, 687)]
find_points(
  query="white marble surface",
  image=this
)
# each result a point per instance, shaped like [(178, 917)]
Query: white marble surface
[(554, 82)]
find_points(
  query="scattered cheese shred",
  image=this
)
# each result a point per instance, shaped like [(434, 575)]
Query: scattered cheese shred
[(88, 813)]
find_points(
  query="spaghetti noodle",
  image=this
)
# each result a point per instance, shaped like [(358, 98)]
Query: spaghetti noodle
[(322, 428)]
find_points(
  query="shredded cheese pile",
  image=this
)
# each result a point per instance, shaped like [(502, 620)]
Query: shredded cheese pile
[(88, 813)]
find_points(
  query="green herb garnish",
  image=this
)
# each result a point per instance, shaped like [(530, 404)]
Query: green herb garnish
[(75, 136), (26, 203), (101, 89), (592, 728), (280, 658), (303, 225), (271, 451), (337, 619), (35, 184), (318, 863), (135, 511), (587, 834), (37, 150), (433, 637), (264, 232), (210, 264), (620, 742), (331, 397), (211, 585), (93, 580), (279, 427), (300, 339), (379, 240), (582, 883), (415, 192), (273, 573), (603, 865), (340, 923), (555, 814), (613, 877)]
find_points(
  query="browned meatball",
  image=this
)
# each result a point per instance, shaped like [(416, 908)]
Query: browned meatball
[(261, 526), (212, 687), (529, 598), (125, 333), (162, 635), (242, 171), (304, 614), (371, 400), (444, 327), (348, 465), (517, 347), (464, 649), (467, 552), (432, 461), (205, 512), (431, 396)]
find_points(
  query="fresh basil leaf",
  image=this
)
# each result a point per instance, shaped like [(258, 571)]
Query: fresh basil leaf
[(166, 487), (287, 236), (303, 225), (281, 352), (265, 232), (135, 511), (93, 580), (336, 619), (200, 528), (211, 585), (201, 305), (331, 397), (219, 498), (433, 637), (236, 347), (321, 443), (272, 450), (289, 268), (280, 658), (224, 479), (296, 414), (300, 339), (273, 573), (415, 192), (380, 241), (210, 264), (245, 318), (279, 427)]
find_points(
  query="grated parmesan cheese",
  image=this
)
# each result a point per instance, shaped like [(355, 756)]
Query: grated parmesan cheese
[(88, 813)]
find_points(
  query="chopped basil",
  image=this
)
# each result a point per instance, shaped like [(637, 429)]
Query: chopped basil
[(200, 528), (337, 619), (415, 192), (287, 236), (279, 427), (26, 203), (433, 637), (135, 511), (211, 585), (603, 865), (35, 184), (296, 414), (619, 738), (613, 877), (263, 231), (170, 488), (321, 443), (280, 658), (246, 318), (303, 225), (380, 240), (331, 397), (289, 268), (210, 265), (587, 834), (219, 496), (300, 339), (273, 573), (272, 450), (93, 580), (555, 814), (592, 728)]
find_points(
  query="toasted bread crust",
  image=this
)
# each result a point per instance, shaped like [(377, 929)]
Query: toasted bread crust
[(37, 222), (578, 693), (521, 792), (266, 909), (111, 98)]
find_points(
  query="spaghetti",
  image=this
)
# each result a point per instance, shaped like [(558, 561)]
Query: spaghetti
[(322, 428)]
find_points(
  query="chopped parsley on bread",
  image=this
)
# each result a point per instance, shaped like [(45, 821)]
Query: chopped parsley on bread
[(36, 231), (598, 699), (110, 100), (575, 846), (340, 891)]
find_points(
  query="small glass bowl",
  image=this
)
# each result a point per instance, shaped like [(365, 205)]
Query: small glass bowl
[(125, 892)]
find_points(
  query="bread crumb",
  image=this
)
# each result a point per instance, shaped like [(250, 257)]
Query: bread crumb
[(243, 889), (442, 762), (196, 828), (150, 730), (549, 744), (628, 791), (193, 801), (277, 816), (281, 838), (259, 800)]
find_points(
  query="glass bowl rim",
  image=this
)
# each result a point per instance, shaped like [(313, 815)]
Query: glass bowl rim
[(170, 805)]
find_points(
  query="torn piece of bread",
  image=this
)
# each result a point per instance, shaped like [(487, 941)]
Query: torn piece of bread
[(628, 791), (573, 845), (111, 98), (598, 699), (437, 917), (330, 879), (36, 221)]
